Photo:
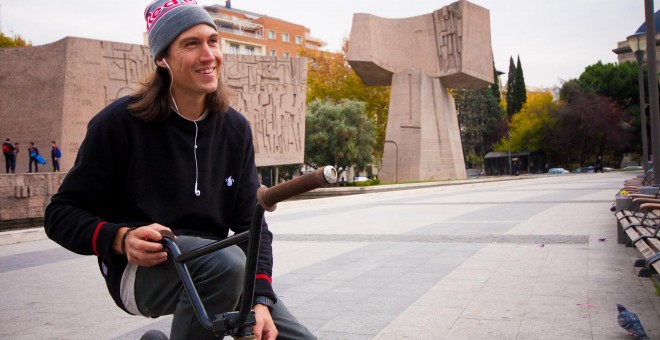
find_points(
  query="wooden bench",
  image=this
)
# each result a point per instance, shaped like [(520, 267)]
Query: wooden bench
[(633, 185), (642, 227), (629, 207)]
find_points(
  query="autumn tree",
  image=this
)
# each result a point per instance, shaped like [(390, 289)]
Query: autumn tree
[(330, 78), (619, 83), (587, 127), (15, 41), (338, 134), (531, 128)]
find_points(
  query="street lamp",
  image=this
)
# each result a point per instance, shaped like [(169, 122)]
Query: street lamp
[(637, 43), (508, 139), (654, 110)]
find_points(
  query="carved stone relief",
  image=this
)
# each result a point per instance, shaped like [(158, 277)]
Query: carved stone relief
[(271, 94), (85, 75), (127, 66), (449, 35)]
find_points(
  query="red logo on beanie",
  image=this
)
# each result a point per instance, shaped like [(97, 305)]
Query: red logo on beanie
[(158, 12)]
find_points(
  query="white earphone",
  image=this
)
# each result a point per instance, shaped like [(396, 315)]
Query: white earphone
[(197, 191)]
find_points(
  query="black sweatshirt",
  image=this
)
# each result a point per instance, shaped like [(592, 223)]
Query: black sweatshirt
[(129, 172)]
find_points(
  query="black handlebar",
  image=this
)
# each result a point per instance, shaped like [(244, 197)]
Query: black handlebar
[(240, 323)]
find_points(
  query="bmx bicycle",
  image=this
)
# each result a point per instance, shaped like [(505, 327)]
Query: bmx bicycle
[(238, 324)]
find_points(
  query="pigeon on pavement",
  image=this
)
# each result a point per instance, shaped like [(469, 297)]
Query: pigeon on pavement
[(630, 322)]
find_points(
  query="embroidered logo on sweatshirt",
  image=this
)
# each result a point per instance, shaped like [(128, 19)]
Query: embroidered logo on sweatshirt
[(229, 181)]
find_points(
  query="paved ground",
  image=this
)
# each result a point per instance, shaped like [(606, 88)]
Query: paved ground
[(517, 259)]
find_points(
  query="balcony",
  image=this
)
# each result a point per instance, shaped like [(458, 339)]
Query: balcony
[(235, 31), (235, 22)]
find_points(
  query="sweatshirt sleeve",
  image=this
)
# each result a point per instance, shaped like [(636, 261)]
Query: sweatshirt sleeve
[(73, 218)]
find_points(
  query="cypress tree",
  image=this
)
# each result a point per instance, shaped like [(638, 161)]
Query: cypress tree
[(520, 90), (510, 88)]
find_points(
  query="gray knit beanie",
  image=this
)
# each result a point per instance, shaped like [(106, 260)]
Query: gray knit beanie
[(166, 19)]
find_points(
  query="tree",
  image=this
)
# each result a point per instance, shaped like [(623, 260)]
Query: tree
[(495, 87), (516, 91), (16, 41), (569, 90), (330, 77), (619, 83), (478, 115), (587, 127), (338, 134), (510, 88), (520, 90), (615, 81), (531, 127)]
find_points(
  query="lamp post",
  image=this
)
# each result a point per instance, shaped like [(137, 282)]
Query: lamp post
[(508, 139), (637, 43), (653, 89)]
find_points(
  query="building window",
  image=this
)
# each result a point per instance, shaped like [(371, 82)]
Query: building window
[(234, 49), (285, 37), (286, 54), (298, 40), (271, 34), (249, 50), (273, 53)]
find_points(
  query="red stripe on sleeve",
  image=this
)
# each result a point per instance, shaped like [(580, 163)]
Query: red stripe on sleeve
[(96, 235), (265, 277)]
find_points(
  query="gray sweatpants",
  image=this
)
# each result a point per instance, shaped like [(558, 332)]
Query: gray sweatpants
[(218, 278)]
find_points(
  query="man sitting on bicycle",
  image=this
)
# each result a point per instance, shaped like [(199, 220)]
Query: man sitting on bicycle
[(160, 159)]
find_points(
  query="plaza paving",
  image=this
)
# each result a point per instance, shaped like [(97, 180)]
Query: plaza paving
[(515, 259)]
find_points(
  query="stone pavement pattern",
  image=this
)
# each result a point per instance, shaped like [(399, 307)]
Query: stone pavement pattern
[(518, 259)]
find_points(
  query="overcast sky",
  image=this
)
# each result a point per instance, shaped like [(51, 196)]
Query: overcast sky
[(555, 39)]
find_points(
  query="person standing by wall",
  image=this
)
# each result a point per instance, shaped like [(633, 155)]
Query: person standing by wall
[(33, 151), (55, 155), (10, 156)]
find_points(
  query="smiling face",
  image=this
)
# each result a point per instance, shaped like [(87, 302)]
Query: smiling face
[(194, 59)]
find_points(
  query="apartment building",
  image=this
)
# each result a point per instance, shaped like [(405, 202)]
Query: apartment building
[(244, 32)]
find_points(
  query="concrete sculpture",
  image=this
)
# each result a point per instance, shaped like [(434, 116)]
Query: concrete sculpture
[(421, 57)]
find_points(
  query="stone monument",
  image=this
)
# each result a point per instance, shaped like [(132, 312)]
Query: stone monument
[(50, 92), (421, 57)]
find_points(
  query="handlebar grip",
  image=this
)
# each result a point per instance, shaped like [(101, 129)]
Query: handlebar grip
[(167, 233), (269, 197)]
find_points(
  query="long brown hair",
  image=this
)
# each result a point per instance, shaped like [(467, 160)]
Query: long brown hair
[(152, 101)]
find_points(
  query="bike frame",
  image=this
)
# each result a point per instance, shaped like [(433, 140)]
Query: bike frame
[(239, 324)]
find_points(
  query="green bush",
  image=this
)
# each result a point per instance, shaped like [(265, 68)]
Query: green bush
[(374, 181)]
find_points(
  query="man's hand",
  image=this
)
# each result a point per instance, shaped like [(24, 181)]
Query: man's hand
[(264, 329), (142, 245)]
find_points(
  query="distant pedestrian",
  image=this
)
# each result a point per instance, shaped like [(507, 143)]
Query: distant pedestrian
[(599, 165), (10, 156), (55, 155), (33, 151)]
